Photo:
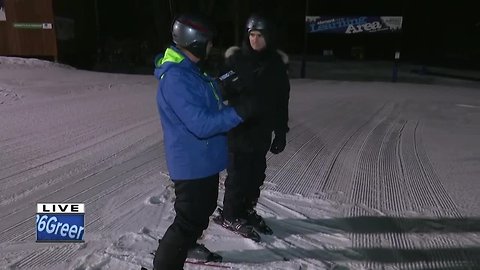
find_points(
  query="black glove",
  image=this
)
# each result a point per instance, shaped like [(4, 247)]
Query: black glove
[(230, 83), (279, 143), (246, 106)]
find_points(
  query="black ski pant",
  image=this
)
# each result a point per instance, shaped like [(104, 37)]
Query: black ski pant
[(195, 202), (246, 174)]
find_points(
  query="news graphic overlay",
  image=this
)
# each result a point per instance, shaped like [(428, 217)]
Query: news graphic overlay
[(60, 222)]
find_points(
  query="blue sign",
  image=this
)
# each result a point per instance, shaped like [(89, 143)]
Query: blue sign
[(353, 25), (60, 227), (60, 222)]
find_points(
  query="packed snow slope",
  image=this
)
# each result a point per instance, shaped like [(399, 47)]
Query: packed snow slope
[(376, 175)]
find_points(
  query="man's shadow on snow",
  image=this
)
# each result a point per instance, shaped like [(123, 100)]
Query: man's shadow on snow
[(337, 229), (373, 224), (454, 258)]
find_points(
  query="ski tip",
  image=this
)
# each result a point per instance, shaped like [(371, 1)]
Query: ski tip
[(209, 264)]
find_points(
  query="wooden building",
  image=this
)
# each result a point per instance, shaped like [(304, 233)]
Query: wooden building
[(28, 29), (59, 30)]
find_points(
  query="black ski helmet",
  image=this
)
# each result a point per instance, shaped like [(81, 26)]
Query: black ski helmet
[(256, 22), (193, 32), (263, 25)]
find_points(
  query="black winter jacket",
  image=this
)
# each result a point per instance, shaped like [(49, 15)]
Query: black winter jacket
[(264, 76)]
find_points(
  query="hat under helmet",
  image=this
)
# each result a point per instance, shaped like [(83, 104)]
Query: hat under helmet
[(193, 32)]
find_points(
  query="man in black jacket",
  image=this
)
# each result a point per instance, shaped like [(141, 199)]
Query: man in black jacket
[(261, 73)]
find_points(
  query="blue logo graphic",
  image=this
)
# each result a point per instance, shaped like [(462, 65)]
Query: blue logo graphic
[(57, 222)]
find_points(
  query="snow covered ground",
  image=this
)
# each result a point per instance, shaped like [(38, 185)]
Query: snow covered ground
[(375, 175)]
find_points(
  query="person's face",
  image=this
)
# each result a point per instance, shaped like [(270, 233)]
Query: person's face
[(257, 40)]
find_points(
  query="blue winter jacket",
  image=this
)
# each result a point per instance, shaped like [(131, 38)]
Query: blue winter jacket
[(193, 118)]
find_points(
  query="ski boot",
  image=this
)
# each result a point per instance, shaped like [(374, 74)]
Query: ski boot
[(200, 253), (257, 222), (238, 226)]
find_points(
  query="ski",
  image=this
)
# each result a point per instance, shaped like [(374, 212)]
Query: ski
[(195, 262), (208, 264)]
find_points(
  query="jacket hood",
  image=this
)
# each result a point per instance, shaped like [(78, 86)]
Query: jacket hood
[(234, 49)]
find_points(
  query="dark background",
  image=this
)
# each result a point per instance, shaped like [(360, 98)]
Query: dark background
[(120, 34)]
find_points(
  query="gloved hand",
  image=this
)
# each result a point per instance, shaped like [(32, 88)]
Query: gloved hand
[(230, 83), (246, 106), (279, 143)]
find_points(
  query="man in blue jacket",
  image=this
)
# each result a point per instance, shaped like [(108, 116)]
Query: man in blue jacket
[(194, 122)]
